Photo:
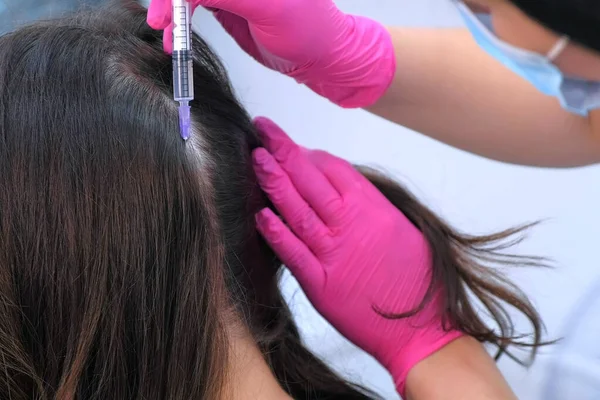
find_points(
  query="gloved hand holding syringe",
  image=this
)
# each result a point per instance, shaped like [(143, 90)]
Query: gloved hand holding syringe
[(183, 76)]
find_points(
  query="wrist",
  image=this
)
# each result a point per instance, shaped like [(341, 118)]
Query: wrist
[(422, 345), (359, 69), (462, 369)]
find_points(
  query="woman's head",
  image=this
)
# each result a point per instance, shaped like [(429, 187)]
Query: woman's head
[(127, 256), (537, 25), (114, 232)]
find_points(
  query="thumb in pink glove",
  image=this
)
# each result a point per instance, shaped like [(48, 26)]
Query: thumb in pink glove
[(347, 59), (351, 250)]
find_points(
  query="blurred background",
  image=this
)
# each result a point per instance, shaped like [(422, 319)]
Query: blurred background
[(16, 12), (474, 194)]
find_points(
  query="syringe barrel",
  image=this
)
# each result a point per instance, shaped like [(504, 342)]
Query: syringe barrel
[(182, 25), (183, 77)]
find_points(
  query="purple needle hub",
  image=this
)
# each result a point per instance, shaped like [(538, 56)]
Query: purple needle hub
[(184, 119)]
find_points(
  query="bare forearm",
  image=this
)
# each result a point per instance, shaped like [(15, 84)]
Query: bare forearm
[(449, 89), (462, 370)]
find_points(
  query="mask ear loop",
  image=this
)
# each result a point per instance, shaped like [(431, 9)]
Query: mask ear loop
[(558, 48)]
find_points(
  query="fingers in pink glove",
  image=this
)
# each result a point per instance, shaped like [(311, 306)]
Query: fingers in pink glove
[(238, 28), (305, 223), (159, 14), (346, 179), (159, 17), (311, 184), (323, 180), (342, 175), (168, 39), (291, 251)]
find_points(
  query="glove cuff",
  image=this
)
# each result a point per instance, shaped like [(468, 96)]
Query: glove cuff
[(426, 343)]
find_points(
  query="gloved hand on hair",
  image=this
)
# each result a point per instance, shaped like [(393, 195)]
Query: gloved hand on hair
[(345, 58), (352, 251)]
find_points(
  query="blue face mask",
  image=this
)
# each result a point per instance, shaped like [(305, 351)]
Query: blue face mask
[(575, 95)]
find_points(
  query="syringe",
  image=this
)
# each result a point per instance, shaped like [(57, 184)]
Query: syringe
[(183, 76)]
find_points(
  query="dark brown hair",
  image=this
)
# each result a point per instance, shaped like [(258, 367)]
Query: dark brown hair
[(578, 19), (123, 249)]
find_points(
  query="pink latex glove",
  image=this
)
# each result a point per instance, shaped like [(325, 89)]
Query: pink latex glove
[(347, 59), (350, 249)]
